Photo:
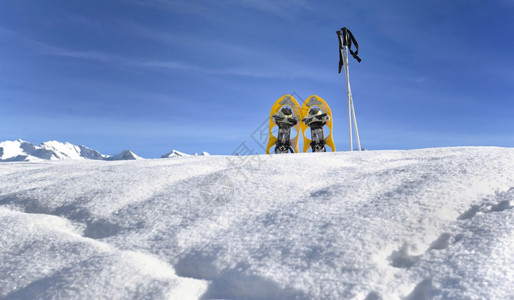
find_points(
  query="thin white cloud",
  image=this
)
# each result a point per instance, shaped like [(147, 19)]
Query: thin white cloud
[(266, 65), (48, 49), (196, 42), (276, 65), (178, 6), (282, 8), (87, 55), (279, 7), (271, 72), (6, 32)]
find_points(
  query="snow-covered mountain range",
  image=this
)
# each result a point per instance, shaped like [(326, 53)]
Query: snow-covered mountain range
[(20, 150), (416, 224)]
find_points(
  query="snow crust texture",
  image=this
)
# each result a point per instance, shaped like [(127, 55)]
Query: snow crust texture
[(417, 224)]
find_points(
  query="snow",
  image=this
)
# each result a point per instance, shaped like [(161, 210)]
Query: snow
[(202, 153), (416, 224), (62, 150), (175, 153), (17, 151), (20, 150), (124, 155)]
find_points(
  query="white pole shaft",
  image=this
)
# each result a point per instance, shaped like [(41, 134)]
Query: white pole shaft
[(349, 94), (356, 129), (351, 108)]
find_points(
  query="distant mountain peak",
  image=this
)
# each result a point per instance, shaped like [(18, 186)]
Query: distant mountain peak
[(18, 150), (202, 154), (174, 153), (124, 155), (91, 154), (61, 150)]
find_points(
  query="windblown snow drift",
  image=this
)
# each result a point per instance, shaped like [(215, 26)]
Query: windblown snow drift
[(432, 223)]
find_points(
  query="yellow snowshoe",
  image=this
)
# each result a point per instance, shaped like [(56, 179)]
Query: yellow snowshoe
[(316, 114), (285, 114)]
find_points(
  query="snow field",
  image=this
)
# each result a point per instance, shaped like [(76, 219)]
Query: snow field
[(429, 223)]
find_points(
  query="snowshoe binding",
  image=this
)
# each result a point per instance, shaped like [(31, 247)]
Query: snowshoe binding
[(285, 114), (284, 120), (317, 117)]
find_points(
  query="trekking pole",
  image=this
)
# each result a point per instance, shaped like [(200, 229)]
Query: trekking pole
[(346, 39)]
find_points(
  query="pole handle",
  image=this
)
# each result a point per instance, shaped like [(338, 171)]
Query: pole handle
[(346, 39)]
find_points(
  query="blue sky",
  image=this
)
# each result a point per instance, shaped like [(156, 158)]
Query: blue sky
[(155, 75)]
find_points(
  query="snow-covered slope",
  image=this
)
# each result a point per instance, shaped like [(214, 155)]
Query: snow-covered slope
[(420, 224)]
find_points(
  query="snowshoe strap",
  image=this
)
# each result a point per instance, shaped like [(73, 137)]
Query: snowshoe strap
[(321, 119)]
